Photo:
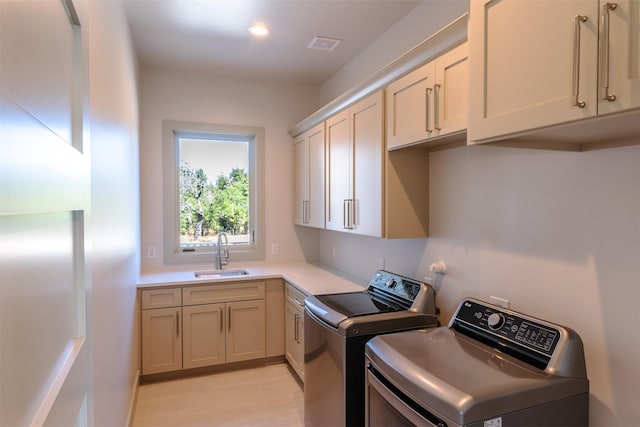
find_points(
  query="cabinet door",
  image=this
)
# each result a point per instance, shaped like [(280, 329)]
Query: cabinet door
[(294, 330), (339, 167), (203, 342), (620, 57), (409, 111), (245, 330), (367, 130), (315, 204), (450, 93), (301, 154), (521, 65), (161, 340)]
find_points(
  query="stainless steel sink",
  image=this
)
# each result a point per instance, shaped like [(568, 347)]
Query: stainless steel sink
[(216, 274)]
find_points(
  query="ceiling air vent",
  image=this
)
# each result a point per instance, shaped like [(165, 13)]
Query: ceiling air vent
[(323, 43)]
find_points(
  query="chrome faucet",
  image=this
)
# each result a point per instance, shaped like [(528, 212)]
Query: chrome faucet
[(222, 257)]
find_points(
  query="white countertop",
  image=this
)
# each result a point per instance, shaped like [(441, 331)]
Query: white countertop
[(310, 279)]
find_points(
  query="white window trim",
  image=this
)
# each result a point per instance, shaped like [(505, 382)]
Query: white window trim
[(173, 254)]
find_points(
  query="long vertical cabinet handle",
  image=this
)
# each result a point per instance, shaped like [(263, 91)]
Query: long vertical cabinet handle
[(352, 217), (606, 54), (577, 22), (436, 106), (295, 327), (428, 110), (221, 321), (345, 214), (229, 316), (305, 213), (177, 323)]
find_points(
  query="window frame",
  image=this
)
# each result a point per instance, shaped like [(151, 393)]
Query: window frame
[(171, 132)]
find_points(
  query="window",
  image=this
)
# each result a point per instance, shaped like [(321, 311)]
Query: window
[(212, 184)]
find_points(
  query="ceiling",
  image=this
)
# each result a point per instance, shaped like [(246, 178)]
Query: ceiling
[(212, 35)]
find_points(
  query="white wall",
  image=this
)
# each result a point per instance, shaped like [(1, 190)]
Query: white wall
[(114, 218), (183, 96), (426, 19), (556, 233)]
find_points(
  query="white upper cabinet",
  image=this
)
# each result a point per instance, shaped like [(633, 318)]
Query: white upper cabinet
[(309, 177), (429, 102), (354, 144), (535, 64)]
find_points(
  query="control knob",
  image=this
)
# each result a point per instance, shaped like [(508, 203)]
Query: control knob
[(495, 321)]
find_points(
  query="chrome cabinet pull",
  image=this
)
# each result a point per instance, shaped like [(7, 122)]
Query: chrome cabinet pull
[(578, 20), (606, 55), (428, 112), (295, 327), (436, 106), (177, 323), (305, 212)]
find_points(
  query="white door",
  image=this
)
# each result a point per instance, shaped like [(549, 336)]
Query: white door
[(301, 183), (315, 204), (44, 351)]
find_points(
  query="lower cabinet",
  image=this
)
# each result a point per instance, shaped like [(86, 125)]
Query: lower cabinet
[(294, 329), (205, 326), (222, 333)]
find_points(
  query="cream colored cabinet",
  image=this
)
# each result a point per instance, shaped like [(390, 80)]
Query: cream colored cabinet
[(354, 178), (203, 343), (619, 87), (537, 64), (309, 177), (245, 338), (161, 330), (202, 325), (294, 329), (430, 102)]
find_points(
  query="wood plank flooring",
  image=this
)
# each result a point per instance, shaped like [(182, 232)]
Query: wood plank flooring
[(263, 396)]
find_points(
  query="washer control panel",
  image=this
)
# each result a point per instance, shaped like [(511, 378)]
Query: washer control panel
[(395, 284), (509, 327)]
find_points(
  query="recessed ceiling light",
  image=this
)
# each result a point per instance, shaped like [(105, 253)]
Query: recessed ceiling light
[(323, 43), (259, 30)]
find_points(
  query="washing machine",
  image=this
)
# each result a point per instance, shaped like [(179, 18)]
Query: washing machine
[(489, 367)]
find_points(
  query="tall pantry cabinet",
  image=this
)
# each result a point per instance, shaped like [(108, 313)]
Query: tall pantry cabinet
[(536, 64), (354, 170)]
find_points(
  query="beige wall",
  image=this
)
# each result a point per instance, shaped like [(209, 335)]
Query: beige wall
[(557, 234), (183, 96), (114, 218)]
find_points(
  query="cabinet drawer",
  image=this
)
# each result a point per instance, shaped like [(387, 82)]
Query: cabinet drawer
[(160, 298), (295, 295), (206, 294)]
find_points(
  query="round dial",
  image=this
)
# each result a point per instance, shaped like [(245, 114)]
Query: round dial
[(495, 320)]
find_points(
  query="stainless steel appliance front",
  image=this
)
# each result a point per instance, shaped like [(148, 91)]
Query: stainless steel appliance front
[(490, 367), (337, 327)]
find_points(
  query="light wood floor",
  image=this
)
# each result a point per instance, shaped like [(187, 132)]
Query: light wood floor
[(264, 396)]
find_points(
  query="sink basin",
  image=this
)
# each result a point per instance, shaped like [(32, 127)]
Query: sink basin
[(215, 274)]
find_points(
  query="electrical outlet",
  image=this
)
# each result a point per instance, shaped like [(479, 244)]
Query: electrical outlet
[(275, 249), (151, 252), (500, 302)]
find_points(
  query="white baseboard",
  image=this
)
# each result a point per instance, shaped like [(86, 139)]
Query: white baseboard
[(134, 399)]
